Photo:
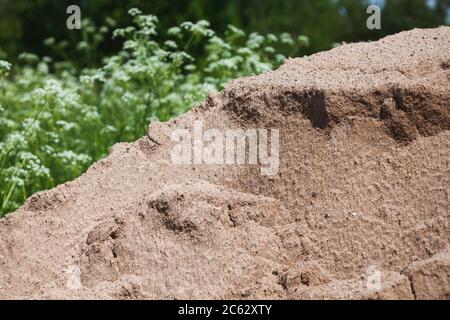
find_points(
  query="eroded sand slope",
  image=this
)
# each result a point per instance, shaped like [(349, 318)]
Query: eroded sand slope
[(363, 187)]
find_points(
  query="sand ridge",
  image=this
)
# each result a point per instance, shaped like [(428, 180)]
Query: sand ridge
[(362, 190)]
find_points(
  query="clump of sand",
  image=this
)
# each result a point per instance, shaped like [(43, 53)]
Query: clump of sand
[(359, 208)]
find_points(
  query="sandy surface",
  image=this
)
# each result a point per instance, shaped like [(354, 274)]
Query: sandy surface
[(359, 207)]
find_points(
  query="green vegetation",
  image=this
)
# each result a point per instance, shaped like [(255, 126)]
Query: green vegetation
[(24, 23), (56, 118)]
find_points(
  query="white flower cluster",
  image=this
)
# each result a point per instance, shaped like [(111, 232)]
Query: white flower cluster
[(5, 68)]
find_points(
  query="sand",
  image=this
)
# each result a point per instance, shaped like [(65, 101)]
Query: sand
[(358, 209)]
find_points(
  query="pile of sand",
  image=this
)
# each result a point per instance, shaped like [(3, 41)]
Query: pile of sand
[(359, 207)]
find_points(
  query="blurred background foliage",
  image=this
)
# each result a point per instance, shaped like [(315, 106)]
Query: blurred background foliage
[(24, 24)]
